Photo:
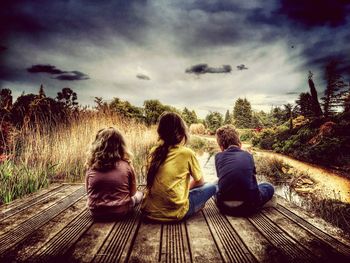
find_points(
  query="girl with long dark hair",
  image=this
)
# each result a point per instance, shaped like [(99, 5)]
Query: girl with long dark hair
[(175, 184)]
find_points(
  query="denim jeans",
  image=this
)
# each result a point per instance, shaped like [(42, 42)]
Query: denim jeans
[(266, 192), (199, 196)]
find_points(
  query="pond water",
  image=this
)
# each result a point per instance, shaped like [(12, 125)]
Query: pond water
[(329, 183)]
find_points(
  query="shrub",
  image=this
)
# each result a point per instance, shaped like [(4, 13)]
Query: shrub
[(246, 134), (197, 128)]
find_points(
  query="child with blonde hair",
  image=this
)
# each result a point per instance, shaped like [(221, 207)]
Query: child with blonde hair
[(239, 193), (110, 177)]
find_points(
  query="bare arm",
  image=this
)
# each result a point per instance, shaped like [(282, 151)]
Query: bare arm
[(194, 184)]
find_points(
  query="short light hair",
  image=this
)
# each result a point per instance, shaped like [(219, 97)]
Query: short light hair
[(227, 135)]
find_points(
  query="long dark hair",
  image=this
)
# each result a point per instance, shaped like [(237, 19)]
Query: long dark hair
[(171, 130)]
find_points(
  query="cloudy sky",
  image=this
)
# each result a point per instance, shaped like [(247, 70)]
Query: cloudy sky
[(201, 54)]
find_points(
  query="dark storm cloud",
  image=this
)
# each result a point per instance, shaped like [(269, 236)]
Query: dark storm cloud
[(241, 67), (60, 74), (142, 76), (204, 68), (79, 19), (313, 13), (72, 75), (45, 69)]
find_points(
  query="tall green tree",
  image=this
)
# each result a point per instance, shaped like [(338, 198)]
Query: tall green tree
[(289, 112), (334, 89), (189, 117), (153, 109), (213, 121), (315, 104), (41, 91), (305, 105), (227, 117), (279, 115), (69, 98), (242, 113)]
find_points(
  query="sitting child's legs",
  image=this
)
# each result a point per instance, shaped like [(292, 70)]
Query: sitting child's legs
[(266, 191), (199, 196)]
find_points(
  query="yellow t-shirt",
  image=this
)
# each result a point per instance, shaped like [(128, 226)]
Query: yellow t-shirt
[(168, 198)]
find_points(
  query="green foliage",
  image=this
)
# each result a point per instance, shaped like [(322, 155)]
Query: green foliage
[(196, 143), (214, 120), (189, 117), (5, 99), (33, 110), (334, 89), (246, 134), (153, 109), (228, 118), (305, 104), (19, 179), (273, 169), (67, 96), (242, 113), (124, 109)]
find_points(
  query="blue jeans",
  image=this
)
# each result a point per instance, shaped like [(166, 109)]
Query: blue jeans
[(199, 196), (266, 192)]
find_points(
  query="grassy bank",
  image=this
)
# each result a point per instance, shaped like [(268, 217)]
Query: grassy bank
[(330, 208), (41, 156)]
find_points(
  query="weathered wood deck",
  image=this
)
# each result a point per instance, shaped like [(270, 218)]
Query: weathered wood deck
[(54, 225)]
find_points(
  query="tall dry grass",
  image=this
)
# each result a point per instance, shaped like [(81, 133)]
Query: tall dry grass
[(43, 155)]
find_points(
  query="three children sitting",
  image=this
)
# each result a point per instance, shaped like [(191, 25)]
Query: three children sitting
[(175, 185)]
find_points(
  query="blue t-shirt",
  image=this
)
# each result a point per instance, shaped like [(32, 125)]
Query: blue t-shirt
[(235, 169)]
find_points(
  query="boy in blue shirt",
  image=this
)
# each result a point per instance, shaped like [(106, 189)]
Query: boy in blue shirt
[(239, 194)]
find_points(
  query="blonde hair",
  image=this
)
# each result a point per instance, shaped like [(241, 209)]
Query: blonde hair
[(227, 135), (108, 147)]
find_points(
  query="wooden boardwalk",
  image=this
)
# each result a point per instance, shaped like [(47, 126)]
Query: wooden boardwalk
[(54, 225)]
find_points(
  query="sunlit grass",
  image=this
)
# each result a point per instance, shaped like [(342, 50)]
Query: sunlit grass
[(330, 208), (40, 156)]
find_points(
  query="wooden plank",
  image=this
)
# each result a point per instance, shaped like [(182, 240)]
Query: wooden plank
[(118, 244), (175, 247), (287, 245), (202, 243), (316, 222), (147, 245), (90, 242), (231, 246), (31, 244), (21, 217), (261, 247), (27, 198), (54, 250), (9, 239), (331, 240), (31, 202), (304, 237)]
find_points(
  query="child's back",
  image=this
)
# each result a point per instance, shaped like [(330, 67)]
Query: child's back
[(239, 194), (109, 192), (110, 179), (236, 173)]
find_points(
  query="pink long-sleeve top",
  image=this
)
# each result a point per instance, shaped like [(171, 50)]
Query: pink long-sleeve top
[(109, 193)]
